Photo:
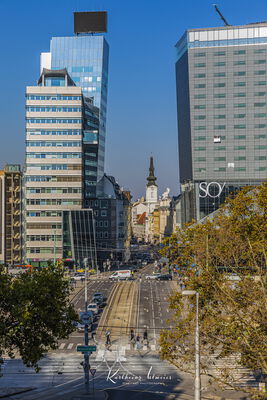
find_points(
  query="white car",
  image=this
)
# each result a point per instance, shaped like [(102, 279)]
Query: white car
[(93, 307), (154, 276), (78, 276)]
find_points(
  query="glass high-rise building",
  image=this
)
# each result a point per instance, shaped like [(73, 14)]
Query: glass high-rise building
[(221, 80), (85, 56)]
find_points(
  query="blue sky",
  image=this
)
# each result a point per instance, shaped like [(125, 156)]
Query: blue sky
[(141, 98)]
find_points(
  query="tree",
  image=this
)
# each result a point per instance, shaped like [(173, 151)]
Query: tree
[(35, 313), (224, 259)]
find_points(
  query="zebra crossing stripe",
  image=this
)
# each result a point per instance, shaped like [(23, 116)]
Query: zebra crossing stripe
[(62, 345)]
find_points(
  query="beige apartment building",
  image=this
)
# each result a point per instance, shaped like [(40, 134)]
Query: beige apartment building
[(53, 170)]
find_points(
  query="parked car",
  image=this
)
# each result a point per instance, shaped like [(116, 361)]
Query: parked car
[(164, 277), (93, 307)]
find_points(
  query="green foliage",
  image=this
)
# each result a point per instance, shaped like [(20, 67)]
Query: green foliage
[(35, 313), (229, 254)]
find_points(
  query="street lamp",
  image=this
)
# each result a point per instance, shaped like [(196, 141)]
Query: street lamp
[(197, 352)]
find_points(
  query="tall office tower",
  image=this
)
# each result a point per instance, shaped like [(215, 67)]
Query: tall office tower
[(10, 215), (85, 56), (54, 170), (221, 78)]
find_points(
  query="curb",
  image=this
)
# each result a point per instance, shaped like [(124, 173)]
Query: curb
[(14, 392)]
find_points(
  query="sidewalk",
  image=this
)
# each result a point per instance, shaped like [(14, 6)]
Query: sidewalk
[(5, 392)]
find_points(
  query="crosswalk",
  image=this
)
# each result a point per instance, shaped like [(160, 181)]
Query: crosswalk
[(72, 346)]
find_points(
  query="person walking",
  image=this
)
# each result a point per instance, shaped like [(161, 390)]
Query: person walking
[(145, 336), (132, 335), (108, 341)]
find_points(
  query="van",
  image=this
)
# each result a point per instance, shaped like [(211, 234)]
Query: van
[(121, 275)]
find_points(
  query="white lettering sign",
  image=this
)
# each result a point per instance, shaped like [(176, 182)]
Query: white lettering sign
[(205, 189)]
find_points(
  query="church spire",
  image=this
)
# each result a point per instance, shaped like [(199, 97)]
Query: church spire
[(151, 178)]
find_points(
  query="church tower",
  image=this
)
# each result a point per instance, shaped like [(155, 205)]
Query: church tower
[(151, 189)]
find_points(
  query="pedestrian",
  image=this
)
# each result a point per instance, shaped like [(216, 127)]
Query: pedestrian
[(138, 344), (132, 335), (108, 341), (145, 335)]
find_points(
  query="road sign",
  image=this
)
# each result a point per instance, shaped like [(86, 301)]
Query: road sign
[(93, 371), (86, 317), (86, 349)]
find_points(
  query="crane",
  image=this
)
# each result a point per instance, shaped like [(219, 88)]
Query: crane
[(221, 16)]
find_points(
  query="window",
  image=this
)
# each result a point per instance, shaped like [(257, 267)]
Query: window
[(219, 169), (240, 169), (103, 213), (260, 115), (200, 86), (261, 72), (200, 148), (219, 64), (219, 126), (219, 95), (239, 84), (240, 62), (199, 138), (240, 158), (200, 128), (240, 126), (260, 62), (239, 115), (200, 96), (219, 158), (260, 126), (239, 137), (240, 73), (200, 54), (200, 169), (260, 147), (200, 159), (220, 84), (239, 147), (218, 74), (259, 51), (220, 116), (200, 107), (260, 158), (260, 136), (259, 93), (259, 104), (200, 116), (239, 52), (219, 53), (219, 148), (219, 106), (240, 94), (260, 83), (200, 65), (200, 75), (240, 105), (261, 169)]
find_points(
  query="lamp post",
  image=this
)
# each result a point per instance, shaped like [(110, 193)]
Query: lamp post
[(197, 347)]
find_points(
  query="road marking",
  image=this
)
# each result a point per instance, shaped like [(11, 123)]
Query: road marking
[(61, 347), (70, 346)]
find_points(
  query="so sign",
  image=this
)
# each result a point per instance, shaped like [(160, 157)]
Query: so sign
[(211, 189)]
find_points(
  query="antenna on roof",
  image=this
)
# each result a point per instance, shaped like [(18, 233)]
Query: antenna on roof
[(220, 14)]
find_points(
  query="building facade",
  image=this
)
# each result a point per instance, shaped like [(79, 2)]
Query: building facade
[(53, 178), (85, 56), (221, 79), (11, 215)]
